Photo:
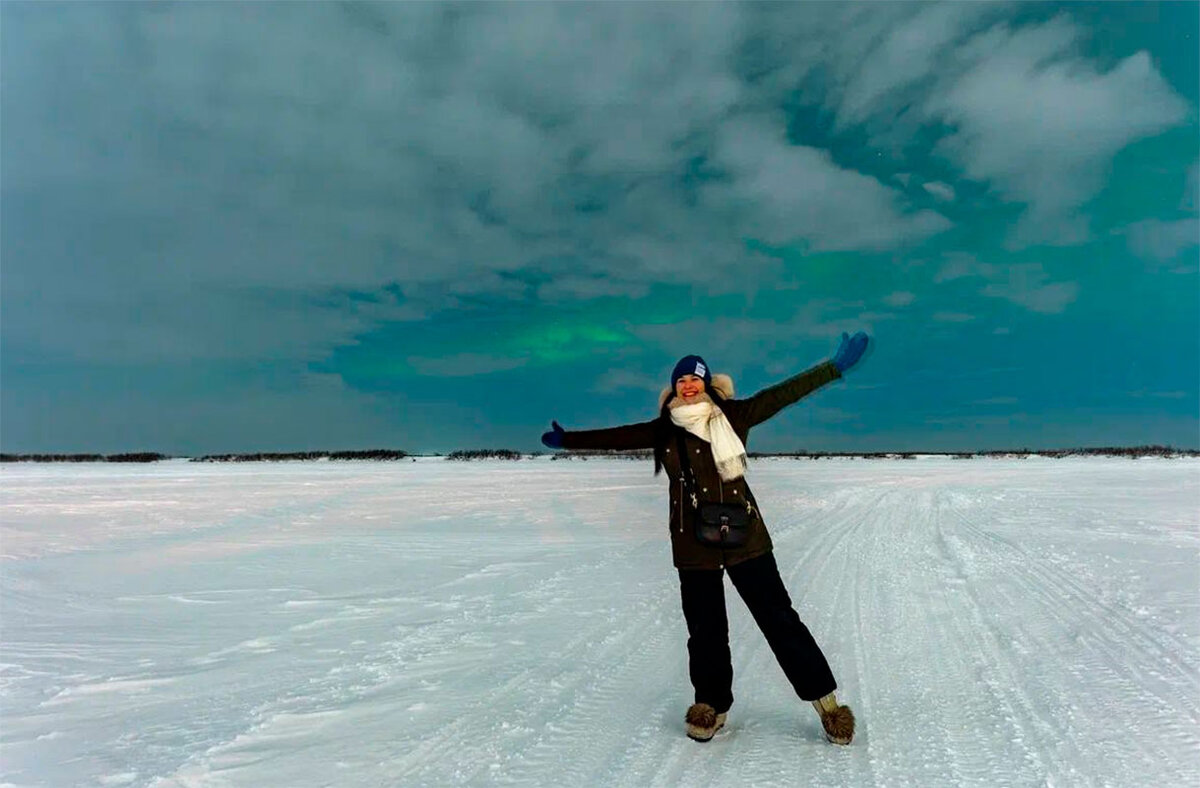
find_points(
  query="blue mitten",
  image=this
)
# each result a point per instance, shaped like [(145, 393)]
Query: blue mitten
[(554, 438), (849, 351)]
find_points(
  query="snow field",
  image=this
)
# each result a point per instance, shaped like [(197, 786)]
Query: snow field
[(992, 622)]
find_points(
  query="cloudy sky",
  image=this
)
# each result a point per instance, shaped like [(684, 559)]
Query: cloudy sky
[(287, 226)]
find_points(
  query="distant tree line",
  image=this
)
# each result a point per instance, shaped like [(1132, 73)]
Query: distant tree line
[(135, 457), (484, 454), (626, 454), (582, 454), (370, 454), (817, 455), (1123, 451), (1132, 452)]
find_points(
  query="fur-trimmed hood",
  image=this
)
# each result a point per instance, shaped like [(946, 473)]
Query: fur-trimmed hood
[(721, 383)]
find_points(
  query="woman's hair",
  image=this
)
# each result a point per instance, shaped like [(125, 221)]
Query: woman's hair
[(663, 426)]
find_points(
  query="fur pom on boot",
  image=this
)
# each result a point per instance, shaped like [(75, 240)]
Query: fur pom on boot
[(703, 721), (837, 720)]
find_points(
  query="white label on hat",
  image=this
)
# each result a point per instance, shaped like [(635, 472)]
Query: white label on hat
[(700, 370)]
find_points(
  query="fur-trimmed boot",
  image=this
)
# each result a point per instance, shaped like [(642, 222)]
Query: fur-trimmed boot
[(703, 721), (837, 720)]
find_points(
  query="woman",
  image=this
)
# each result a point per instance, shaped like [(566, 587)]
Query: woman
[(699, 416)]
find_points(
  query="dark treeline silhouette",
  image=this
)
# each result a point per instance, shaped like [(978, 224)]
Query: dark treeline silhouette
[(1122, 451), (818, 455), (145, 456), (484, 454), (370, 454), (627, 454), (1132, 452), (134, 457)]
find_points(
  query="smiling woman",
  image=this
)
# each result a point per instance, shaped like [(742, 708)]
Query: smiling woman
[(715, 524)]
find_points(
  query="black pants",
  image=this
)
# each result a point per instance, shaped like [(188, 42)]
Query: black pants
[(759, 584)]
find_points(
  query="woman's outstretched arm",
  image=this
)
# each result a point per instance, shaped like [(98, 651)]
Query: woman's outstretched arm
[(629, 436), (770, 401), (773, 399)]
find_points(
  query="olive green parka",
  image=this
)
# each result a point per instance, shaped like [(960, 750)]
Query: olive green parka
[(742, 414)]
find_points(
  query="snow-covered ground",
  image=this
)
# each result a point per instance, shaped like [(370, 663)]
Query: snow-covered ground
[(992, 622)]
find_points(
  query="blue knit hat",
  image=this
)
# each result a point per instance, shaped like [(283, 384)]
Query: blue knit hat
[(691, 365)]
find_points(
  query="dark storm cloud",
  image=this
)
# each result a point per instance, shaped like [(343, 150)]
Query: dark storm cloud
[(242, 157)]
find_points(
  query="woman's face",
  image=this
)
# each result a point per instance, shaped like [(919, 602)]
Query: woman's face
[(688, 386)]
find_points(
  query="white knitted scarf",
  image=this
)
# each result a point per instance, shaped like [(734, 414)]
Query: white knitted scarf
[(705, 420)]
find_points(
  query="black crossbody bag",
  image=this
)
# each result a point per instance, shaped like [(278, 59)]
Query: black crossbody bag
[(716, 524)]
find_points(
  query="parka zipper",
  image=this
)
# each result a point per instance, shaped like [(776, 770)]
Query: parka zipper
[(680, 503)]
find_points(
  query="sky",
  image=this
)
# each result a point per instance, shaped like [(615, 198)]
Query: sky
[(295, 226)]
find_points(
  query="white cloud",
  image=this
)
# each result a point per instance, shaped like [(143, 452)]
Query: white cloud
[(952, 317), (1026, 285), (1041, 125), (1029, 114), (957, 265), (906, 53), (1162, 241), (899, 298), (942, 191), (301, 148), (788, 193)]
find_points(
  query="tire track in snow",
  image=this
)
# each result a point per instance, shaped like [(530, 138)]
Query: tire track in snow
[(591, 734), (830, 568), (896, 696), (1100, 657), (864, 662), (462, 749), (605, 662), (1052, 586), (1019, 727), (889, 581), (600, 653)]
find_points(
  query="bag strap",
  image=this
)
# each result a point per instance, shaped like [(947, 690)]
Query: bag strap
[(689, 477)]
